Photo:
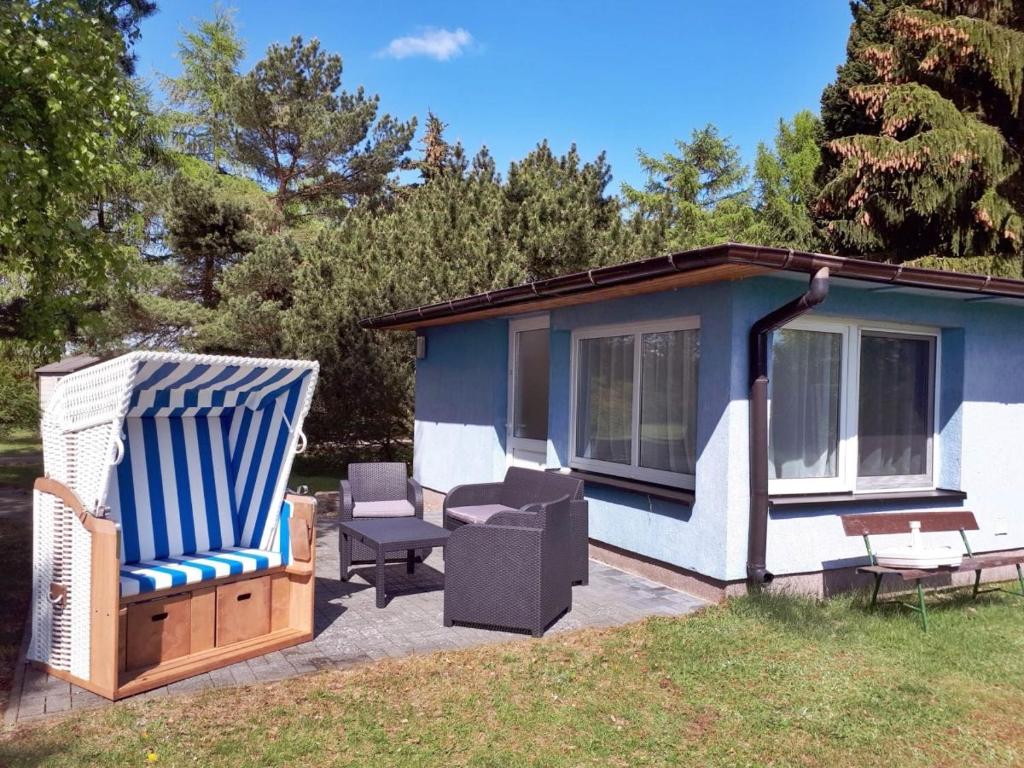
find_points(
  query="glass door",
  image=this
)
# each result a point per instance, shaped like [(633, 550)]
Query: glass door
[(528, 346)]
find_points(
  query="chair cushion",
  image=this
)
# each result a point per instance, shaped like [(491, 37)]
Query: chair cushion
[(478, 513), (393, 508), (151, 575)]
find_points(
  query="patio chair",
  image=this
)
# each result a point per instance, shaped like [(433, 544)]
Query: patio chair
[(476, 503), (164, 542), (376, 490), (512, 571)]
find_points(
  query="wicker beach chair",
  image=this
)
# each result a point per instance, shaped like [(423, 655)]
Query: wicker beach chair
[(164, 542)]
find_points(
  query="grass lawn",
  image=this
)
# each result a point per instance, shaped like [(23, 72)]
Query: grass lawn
[(15, 554), (316, 483), (20, 442), (772, 681)]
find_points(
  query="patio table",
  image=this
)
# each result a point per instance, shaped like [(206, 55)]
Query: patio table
[(385, 535)]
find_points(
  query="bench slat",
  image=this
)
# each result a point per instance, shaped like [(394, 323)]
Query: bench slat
[(876, 524), (980, 562), (905, 573)]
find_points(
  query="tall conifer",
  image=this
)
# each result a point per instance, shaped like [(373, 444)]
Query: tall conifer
[(924, 131)]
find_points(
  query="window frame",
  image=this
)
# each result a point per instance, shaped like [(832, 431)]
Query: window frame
[(848, 480), (515, 326), (637, 330)]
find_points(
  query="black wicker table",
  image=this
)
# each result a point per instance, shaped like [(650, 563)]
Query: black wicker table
[(391, 534)]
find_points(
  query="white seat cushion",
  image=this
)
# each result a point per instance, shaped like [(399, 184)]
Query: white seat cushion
[(478, 513), (395, 508), (151, 575)]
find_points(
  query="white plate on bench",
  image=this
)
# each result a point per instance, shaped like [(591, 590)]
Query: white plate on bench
[(917, 557)]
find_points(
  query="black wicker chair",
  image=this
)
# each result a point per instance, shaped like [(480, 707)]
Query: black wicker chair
[(476, 503), (511, 572), (376, 490)]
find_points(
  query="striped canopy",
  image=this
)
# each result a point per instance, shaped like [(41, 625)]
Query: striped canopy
[(202, 449)]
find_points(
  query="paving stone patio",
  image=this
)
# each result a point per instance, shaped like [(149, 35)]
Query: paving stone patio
[(351, 630)]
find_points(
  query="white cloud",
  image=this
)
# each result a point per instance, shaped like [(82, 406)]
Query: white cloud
[(440, 44)]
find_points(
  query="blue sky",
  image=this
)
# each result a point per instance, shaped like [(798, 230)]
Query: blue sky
[(610, 76)]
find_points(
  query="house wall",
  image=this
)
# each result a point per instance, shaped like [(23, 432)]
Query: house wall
[(461, 404), (981, 416), (694, 537)]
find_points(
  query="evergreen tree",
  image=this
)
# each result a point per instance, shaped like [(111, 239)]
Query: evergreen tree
[(207, 232), (313, 143), (784, 177), (209, 57), (700, 196), (935, 163), (438, 154), (558, 216)]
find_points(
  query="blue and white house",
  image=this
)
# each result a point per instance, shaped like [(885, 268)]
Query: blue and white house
[(725, 406)]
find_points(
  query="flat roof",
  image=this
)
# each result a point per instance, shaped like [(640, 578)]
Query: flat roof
[(67, 365), (728, 261)]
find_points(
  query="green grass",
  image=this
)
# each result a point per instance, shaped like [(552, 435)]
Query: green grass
[(16, 566), (19, 475), (777, 681), (316, 483), (20, 442), (15, 552)]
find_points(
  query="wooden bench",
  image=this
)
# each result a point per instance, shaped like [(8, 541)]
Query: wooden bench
[(879, 524)]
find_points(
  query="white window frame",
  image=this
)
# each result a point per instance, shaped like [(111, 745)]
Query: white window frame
[(633, 470), (515, 326), (847, 480)]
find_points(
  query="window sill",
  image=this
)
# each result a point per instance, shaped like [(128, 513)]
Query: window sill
[(797, 501), (655, 491)]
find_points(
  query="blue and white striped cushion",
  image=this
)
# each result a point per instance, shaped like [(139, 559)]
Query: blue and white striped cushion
[(151, 575)]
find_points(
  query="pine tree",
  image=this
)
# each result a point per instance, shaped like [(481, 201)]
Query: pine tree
[(934, 164), (315, 144), (438, 154)]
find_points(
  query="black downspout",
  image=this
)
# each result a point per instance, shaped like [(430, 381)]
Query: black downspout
[(757, 541)]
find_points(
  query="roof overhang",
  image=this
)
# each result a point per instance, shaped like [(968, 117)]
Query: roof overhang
[(730, 261)]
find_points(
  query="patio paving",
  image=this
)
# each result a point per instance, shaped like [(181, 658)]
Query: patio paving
[(351, 630)]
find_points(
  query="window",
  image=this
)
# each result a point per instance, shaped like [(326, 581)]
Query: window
[(530, 409), (635, 400), (852, 407)]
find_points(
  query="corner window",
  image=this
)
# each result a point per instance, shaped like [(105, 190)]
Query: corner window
[(635, 401), (852, 407)]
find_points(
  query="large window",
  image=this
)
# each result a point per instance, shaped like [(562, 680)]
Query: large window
[(852, 407), (635, 400)]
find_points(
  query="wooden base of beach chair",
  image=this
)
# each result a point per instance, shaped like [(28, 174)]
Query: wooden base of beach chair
[(150, 640)]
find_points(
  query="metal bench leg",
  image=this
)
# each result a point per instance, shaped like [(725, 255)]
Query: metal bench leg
[(874, 594), (920, 604), (977, 582)]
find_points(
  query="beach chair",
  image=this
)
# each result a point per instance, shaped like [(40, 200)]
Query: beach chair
[(165, 544)]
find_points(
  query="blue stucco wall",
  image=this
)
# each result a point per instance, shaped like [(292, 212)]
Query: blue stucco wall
[(693, 538), (461, 404), (981, 414)]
